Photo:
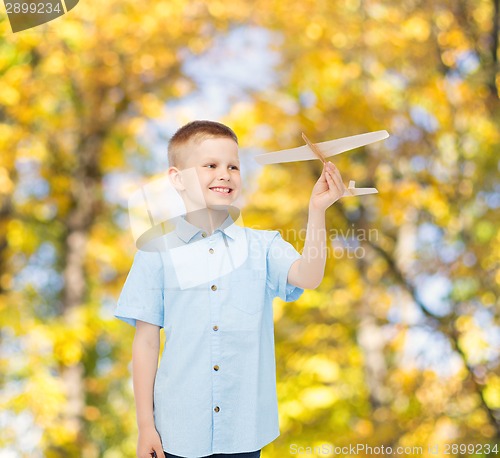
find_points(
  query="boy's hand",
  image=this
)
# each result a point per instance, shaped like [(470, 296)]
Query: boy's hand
[(149, 443), (328, 189)]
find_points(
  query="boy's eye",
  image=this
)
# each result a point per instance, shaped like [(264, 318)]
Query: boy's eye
[(213, 166)]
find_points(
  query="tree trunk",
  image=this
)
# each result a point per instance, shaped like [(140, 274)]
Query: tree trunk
[(85, 194)]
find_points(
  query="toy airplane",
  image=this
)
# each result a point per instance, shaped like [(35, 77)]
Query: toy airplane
[(324, 150)]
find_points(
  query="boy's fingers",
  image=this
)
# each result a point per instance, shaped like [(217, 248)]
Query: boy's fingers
[(334, 177), (337, 178), (333, 186), (158, 448), (341, 186), (336, 171), (333, 183), (329, 179), (322, 177)]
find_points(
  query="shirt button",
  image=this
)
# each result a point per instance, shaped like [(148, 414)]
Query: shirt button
[(203, 234), (216, 408), (215, 328), (216, 367), (211, 250), (213, 288)]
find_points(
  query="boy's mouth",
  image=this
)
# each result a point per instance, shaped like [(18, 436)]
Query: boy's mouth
[(221, 190)]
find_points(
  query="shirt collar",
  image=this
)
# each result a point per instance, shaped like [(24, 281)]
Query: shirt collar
[(187, 231)]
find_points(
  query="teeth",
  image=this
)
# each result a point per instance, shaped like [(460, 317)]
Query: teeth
[(225, 190)]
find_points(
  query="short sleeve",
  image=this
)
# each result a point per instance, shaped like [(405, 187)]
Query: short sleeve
[(280, 256), (142, 295)]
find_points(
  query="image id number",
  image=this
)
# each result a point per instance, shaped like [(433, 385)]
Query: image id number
[(478, 449), (34, 8)]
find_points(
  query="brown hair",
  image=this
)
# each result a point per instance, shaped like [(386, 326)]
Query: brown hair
[(196, 131)]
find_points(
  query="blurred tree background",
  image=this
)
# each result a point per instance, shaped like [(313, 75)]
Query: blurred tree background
[(400, 346)]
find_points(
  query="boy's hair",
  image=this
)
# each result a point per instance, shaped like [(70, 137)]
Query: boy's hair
[(196, 131)]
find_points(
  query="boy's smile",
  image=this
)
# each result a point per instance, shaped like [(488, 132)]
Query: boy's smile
[(222, 190)]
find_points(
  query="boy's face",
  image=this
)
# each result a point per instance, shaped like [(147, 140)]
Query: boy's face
[(217, 168)]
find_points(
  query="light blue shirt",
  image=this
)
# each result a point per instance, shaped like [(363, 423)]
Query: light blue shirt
[(215, 388)]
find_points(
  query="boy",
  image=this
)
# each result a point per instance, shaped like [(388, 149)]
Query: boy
[(214, 393)]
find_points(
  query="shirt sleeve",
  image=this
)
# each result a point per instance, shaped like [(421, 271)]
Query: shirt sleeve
[(280, 256), (142, 295)]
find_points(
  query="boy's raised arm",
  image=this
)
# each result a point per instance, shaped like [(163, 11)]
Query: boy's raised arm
[(145, 352), (307, 272)]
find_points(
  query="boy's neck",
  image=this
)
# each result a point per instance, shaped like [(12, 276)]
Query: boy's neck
[(207, 219)]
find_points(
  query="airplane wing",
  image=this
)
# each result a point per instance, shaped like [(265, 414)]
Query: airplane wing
[(353, 191), (330, 148), (359, 192)]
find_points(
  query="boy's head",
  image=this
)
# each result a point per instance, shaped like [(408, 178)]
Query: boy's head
[(194, 133), (204, 165)]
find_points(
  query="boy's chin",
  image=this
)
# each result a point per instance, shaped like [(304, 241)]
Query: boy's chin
[(220, 204), (219, 207)]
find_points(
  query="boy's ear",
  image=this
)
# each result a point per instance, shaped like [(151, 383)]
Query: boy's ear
[(175, 176)]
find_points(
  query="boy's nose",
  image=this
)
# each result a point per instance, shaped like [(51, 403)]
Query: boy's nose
[(224, 176)]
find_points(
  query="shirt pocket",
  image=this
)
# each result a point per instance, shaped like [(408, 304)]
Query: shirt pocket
[(248, 288)]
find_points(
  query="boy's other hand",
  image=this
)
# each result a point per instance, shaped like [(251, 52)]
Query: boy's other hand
[(149, 443), (328, 189)]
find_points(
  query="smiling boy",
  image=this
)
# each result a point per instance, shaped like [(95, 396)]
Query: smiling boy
[(214, 393)]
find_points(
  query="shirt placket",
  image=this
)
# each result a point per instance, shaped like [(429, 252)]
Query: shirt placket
[(214, 247)]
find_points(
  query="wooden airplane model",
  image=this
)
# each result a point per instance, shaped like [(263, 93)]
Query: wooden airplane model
[(324, 150)]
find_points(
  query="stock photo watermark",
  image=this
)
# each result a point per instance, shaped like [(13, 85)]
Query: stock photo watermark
[(340, 243), (360, 449), (26, 14)]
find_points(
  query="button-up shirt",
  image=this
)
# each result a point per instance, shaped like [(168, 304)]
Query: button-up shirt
[(215, 388)]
